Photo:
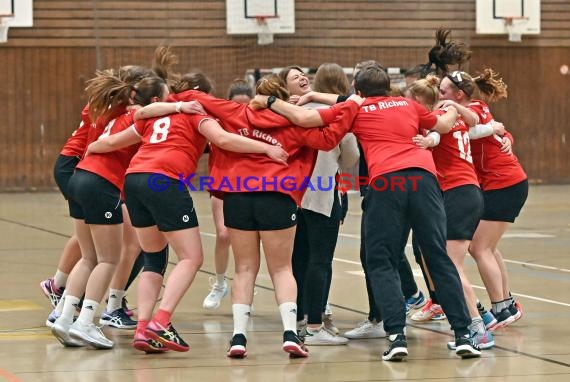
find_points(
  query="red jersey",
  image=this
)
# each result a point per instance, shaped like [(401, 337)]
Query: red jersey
[(76, 145), (238, 172), (385, 127), (495, 169), (452, 157), (112, 165), (171, 145), (99, 127)]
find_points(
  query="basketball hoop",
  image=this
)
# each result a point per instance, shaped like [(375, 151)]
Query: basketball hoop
[(264, 35), (4, 26), (515, 27)]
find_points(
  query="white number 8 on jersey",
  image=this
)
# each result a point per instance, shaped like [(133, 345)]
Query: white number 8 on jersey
[(160, 130)]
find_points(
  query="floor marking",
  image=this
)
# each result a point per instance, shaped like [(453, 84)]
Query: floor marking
[(18, 305), (418, 274), (6, 375)]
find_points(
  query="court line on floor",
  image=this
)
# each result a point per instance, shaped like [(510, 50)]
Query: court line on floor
[(523, 263), (13, 378), (417, 274)]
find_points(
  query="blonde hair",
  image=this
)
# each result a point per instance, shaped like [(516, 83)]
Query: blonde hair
[(425, 91)]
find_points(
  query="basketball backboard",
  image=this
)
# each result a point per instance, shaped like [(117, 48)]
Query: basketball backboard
[(21, 11), (260, 16), (500, 16)]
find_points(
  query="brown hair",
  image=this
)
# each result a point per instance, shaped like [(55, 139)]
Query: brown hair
[(372, 80), (425, 91), (270, 85), (239, 87), (330, 78), (283, 73), (491, 87), (445, 52), (106, 92), (163, 61), (193, 81)]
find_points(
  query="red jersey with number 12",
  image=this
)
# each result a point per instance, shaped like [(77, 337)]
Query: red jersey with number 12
[(453, 159)]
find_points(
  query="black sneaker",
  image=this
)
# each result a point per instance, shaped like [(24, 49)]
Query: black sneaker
[(118, 319), (167, 336), (465, 348), (504, 318), (293, 345), (237, 346), (398, 349), (514, 312)]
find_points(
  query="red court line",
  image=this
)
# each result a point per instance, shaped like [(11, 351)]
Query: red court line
[(5, 374)]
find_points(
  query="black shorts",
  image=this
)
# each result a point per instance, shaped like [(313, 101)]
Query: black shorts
[(98, 200), (505, 204), (62, 171), (463, 208), (259, 211), (169, 208)]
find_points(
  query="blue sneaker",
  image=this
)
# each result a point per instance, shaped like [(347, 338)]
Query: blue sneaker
[(489, 320), (415, 302)]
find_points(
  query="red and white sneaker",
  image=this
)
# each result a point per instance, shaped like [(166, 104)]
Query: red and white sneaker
[(429, 312), (143, 343), (52, 293), (293, 345)]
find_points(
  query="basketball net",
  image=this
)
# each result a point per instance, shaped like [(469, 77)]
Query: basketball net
[(4, 26), (515, 26), (264, 35)]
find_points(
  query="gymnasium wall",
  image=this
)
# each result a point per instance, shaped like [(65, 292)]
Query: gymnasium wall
[(43, 69)]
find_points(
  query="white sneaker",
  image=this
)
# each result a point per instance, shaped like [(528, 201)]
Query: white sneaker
[(214, 298), (328, 324), (60, 329), (367, 329), (90, 334), (323, 337)]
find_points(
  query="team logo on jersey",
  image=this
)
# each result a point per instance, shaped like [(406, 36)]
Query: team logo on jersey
[(108, 215), (185, 218), (293, 217)]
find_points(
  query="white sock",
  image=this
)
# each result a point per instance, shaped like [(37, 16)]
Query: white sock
[(60, 279), (241, 313), (288, 312), (88, 311), (417, 294), (477, 325), (115, 299), (69, 305), (221, 279), (59, 306)]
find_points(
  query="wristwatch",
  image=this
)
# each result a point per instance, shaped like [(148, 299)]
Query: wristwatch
[(270, 101)]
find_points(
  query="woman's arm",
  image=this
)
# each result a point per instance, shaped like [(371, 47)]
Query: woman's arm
[(296, 114), (158, 109), (212, 130), (114, 142), (469, 116), (430, 140), (313, 96), (445, 121)]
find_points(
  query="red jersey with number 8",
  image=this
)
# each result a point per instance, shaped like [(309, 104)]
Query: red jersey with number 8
[(171, 145)]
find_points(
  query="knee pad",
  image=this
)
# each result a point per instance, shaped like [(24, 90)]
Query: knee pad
[(156, 261)]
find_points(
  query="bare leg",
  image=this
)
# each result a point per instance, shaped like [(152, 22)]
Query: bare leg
[(245, 246), (484, 242), (278, 248), (222, 248)]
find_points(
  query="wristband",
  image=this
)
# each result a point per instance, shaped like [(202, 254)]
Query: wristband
[(178, 107)]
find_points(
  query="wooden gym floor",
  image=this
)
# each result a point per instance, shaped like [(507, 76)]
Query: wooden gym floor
[(35, 227)]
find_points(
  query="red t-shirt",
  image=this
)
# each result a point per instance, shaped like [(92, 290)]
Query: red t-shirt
[(112, 165), (495, 169), (385, 127), (452, 157), (171, 145), (76, 145), (238, 172)]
